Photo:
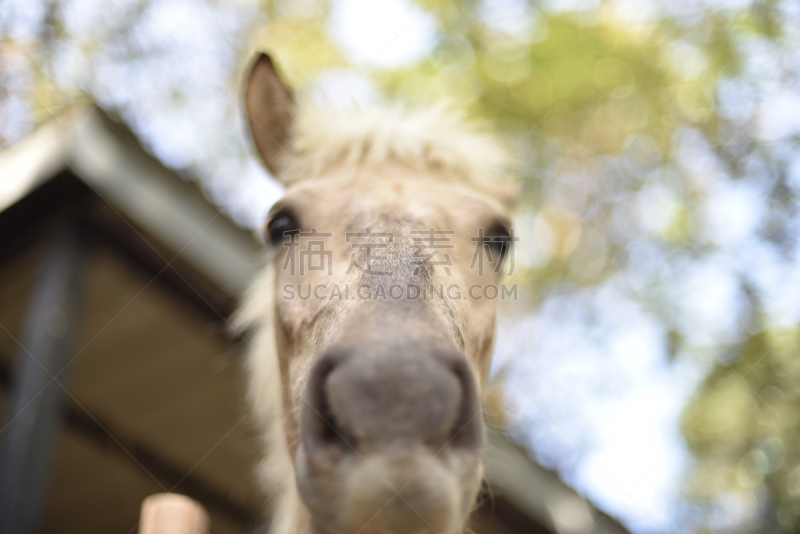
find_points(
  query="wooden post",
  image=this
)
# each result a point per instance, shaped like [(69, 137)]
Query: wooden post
[(36, 399), (170, 513)]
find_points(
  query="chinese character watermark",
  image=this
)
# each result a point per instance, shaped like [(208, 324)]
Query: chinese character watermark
[(494, 247), (313, 257), (431, 240), (367, 241)]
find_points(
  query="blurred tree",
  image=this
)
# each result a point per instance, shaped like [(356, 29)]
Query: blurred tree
[(743, 426), (658, 156)]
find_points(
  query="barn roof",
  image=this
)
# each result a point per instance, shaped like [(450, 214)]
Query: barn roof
[(152, 397)]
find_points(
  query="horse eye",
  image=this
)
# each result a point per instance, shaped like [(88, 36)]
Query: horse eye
[(281, 226), (499, 240)]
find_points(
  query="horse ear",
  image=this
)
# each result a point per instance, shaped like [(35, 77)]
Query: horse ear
[(269, 104)]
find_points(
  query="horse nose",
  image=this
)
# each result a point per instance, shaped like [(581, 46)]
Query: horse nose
[(377, 400)]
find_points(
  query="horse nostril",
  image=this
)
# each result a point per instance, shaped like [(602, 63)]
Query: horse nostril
[(467, 431), (320, 427), (329, 429)]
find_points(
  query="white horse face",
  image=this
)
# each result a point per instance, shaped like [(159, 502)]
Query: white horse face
[(382, 328)]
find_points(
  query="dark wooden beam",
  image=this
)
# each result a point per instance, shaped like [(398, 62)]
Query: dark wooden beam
[(36, 399)]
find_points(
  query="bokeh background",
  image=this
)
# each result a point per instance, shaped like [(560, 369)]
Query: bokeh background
[(653, 355)]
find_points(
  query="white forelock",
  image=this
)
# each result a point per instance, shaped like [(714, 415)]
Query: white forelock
[(436, 138)]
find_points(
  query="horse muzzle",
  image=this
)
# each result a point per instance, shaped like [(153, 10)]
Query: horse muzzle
[(391, 434)]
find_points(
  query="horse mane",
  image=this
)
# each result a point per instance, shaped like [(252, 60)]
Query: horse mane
[(437, 138), (255, 318)]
